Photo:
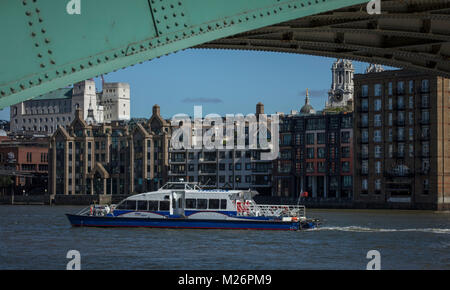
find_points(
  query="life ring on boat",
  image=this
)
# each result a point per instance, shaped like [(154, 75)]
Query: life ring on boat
[(90, 210), (295, 219)]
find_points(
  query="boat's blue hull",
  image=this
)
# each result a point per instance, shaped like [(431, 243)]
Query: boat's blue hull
[(182, 223)]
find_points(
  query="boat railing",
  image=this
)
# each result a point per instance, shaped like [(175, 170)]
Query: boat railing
[(269, 210), (96, 210)]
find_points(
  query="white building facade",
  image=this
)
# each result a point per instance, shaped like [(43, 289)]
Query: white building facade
[(43, 114)]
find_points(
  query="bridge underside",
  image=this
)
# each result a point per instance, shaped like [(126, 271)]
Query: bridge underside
[(408, 34), (44, 48)]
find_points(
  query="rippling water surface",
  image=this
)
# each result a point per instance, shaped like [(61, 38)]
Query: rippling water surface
[(39, 237)]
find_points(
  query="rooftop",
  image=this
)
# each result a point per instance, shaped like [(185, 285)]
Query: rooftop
[(65, 93)]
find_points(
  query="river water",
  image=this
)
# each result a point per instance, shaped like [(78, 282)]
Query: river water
[(39, 237)]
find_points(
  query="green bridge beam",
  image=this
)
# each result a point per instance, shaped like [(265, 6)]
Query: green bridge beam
[(45, 48)]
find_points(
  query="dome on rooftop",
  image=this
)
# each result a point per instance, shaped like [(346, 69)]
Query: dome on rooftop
[(307, 108)]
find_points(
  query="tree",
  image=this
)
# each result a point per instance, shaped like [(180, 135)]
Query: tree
[(5, 181)]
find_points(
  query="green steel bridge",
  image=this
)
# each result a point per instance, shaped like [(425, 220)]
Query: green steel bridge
[(49, 44)]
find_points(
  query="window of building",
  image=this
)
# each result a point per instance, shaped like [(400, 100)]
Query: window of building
[(345, 137), (320, 152), (310, 153), (411, 102), (365, 90), (364, 184), (378, 90), (411, 87), (378, 151), (310, 167), (425, 86), (364, 119), (365, 167), (377, 120), (365, 135), (377, 136), (310, 138), (411, 118), (320, 138), (346, 167), (401, 87), (378, 167), (400, 102), (377, 104), (378, 185), (425, 101), (365, 104)]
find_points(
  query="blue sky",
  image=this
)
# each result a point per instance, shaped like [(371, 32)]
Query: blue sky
[(225, 81)]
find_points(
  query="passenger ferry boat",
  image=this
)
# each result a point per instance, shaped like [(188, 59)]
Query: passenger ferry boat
[(186, 205)]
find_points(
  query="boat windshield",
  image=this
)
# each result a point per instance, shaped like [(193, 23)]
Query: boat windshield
[(181, 185)]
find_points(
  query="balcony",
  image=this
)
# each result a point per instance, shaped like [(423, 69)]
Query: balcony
[(178, 160), (424, 122)]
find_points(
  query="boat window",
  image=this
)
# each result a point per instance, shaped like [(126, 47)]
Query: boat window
[(153, 205), (202, 203), (127, 204), (223, 204), (122, 205), (164, 205), (213, 204), (191, 203), (142, 205)]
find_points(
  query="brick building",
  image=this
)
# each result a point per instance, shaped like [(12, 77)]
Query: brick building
[(25, 161), (402, 145), (109, 158), (316, 155)]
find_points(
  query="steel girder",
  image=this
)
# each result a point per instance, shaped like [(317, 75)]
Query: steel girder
[(411, 34), (45, 48)]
